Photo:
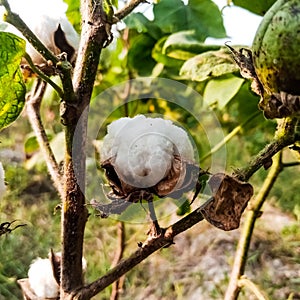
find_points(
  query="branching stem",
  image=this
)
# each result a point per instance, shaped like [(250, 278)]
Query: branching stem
[(43, 76)]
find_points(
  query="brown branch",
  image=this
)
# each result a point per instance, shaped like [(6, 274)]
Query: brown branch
[(94, 36), (127, 9), (33, 111), (145, 250)]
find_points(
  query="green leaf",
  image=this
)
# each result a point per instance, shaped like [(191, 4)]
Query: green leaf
[(184, 45), (259, 7), (139, 54), (140, 23), (159, 56), (31, 144), (209, 64), (219, 91), (12, 92), (108, 9), (73, 13), (186, 41), (247, 104), (183, 208), (206, 18), (203, 16), (170, 15)]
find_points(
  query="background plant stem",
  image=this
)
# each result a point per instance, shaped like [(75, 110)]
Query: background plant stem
[(253, 213)]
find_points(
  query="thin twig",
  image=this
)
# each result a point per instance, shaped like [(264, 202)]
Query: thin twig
[(247, 231), (127, 9), (291, 164), (33, 111), (43, 76)]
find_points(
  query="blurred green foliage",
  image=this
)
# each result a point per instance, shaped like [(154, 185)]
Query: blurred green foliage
[(171, 45)]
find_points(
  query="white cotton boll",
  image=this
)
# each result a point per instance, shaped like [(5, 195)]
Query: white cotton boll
[(142, 149), (41, 279), (109, 148), (2, 181), (43, 18)]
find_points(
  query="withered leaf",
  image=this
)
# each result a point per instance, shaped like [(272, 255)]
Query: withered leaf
[(230, 197)]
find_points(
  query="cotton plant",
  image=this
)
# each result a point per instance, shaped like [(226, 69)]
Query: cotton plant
[(144, 156)]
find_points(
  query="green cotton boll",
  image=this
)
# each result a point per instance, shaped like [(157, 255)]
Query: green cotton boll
[(276, 48)]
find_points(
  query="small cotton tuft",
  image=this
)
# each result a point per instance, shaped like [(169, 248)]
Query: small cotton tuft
[(142, 149), (2, 181), (41, 279)]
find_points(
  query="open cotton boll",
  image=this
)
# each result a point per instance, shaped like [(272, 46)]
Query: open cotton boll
[(41, 279), (142, 149), (2, 181), (41, 276), (44, 18)]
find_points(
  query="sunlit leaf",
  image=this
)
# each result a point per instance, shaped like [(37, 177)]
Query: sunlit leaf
[(219, 91), (209, 64), (165, 59), (186, 41), (256, 6), (12, 92), (183, 45)]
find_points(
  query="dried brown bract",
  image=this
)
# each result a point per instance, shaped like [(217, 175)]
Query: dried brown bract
[(229, 200)]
